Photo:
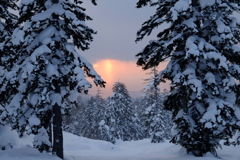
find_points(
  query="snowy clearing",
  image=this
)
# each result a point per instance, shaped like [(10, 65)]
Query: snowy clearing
[(80, 148)]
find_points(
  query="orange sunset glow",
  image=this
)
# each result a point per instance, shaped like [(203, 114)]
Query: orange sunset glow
[(105, 69), (126, 72)]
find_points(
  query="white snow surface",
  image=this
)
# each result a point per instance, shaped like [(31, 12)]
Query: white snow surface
[(34, 120), (80, 148), (181, 5), (205, 3)]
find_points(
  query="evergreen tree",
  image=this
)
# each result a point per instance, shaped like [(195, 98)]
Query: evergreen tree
[(155, 119), (71, 120), (201, 46), (168, 123), (7, 24), (7, 18), (48, 71), (92, 119), (122, 123)]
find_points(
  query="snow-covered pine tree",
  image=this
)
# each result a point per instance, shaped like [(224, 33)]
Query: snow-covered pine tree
[(167, 115), (7, 18), (92, 118), (103, 128), (155, 119), (122, 123), (7, 24), (48, 71), (200, 42), (71, 119), (151, 115)]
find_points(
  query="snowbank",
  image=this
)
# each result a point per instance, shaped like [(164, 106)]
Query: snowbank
[(80, 148)]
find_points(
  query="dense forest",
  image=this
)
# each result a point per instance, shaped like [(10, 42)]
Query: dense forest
[(121, 117), (43, 74)]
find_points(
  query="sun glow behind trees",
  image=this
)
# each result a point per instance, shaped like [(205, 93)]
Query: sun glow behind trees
[(106, 68), (123, 71)]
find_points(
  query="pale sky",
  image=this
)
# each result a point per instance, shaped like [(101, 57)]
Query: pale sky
[(117, 22), (113, 50)]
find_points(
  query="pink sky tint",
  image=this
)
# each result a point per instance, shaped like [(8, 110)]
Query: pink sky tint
[(126, 72)]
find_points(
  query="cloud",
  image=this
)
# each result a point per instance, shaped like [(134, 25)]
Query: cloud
[(126, 72)]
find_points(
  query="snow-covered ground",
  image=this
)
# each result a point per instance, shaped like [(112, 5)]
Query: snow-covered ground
[(79, 148)]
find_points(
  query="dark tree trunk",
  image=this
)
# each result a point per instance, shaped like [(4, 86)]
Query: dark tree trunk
[(57, 132), (57, 125)]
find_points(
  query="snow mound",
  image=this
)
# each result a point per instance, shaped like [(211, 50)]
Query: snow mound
[(8, 138), (80, 148)]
